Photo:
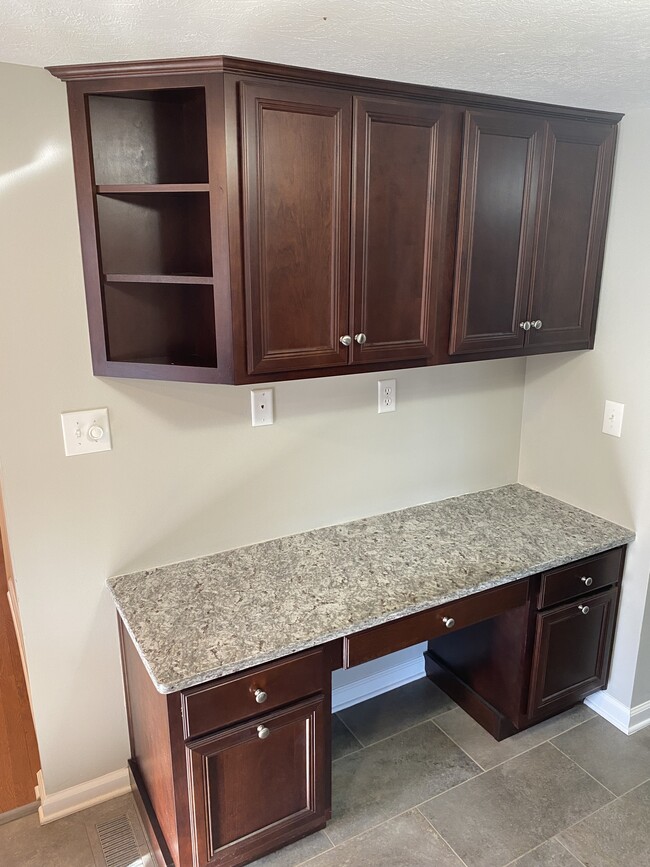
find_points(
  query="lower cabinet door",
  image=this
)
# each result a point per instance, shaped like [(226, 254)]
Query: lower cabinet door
[(260, 785), (573, 646)]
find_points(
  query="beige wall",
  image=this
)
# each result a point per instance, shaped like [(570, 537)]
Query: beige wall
[(187, 475), (563, 451)]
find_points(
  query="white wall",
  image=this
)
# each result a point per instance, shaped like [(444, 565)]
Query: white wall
[(187, 475), (563, 451)]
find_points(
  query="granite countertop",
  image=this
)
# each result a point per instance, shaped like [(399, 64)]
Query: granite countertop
[(206, 618)]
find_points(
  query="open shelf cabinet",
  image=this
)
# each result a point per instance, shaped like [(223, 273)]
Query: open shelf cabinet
[(151, 298)]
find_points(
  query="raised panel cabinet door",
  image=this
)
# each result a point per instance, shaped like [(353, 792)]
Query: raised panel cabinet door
[(401, 234), (296, 150), (502, 156), (577, 181), (572, 650), (260, 785)]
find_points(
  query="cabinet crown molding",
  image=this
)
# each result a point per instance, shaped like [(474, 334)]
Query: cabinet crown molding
[(306, 75)]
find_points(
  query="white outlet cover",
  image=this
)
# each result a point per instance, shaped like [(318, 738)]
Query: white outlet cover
[(386, 395), (86, 431)]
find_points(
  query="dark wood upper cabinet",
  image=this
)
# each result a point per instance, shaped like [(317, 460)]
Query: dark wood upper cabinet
[(573, 215), (402, 179), (534, 198), (296, 224), (502, 156), (243, 222)]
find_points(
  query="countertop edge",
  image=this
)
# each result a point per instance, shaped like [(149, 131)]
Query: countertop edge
[(287, 650)]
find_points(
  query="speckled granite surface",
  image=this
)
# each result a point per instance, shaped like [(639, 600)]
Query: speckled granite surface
[(205, 618)]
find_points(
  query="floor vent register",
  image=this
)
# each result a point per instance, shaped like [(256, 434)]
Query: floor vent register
[(118, 843)]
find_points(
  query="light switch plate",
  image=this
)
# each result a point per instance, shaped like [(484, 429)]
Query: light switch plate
[(86, 431), (613, 418)]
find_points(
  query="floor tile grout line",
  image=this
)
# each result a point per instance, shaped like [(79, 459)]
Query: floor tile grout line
[(457, 786), (573, 855), (588, 816), (484, 770), (523, 854), (393, 735), (332, 843), (541, 744), (370, 828), (347, 727), (578, 765), (629, 791), (446, 842), (529, 749)]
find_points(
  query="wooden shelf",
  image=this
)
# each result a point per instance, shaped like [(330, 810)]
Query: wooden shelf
[(110, 189), (159, 278)]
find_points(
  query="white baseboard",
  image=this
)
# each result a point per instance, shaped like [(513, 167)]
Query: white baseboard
[(628, 720), (639, 717), (80, 797), (377, 683)]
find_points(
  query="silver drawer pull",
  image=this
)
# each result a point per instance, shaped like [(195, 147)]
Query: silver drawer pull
[(260, 696), (346, 340), (536, 324), (588, 580), (360, 338), (584, 609), (449, 622), (525, 325), (262, 732)]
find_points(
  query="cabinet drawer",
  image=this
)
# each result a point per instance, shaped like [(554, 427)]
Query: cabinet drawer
[(432, 623), (260, 785), (576, 579), (221, 703)]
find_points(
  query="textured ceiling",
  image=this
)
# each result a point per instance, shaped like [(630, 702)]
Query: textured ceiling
[(593, 53)]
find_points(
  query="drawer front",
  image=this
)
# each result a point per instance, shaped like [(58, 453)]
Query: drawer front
[(217, 704), (432, 623), (584, 576)]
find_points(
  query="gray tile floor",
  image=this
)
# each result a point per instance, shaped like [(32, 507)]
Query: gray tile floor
[(417, 782)]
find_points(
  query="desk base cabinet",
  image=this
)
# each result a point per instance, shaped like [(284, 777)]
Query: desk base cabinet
[(234, 794), (525, 665), (230, 770)]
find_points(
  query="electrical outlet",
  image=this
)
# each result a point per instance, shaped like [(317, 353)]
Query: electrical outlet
[(86, 431), (262, 406), (613, 418), (387, 395)]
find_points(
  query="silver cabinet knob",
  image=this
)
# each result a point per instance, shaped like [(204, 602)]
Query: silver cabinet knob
[(262, 732), (346, 340), (584, 609), (449, 622), (525, 325), (260, 696), (536, 324), (588, 581), (360, 338)]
